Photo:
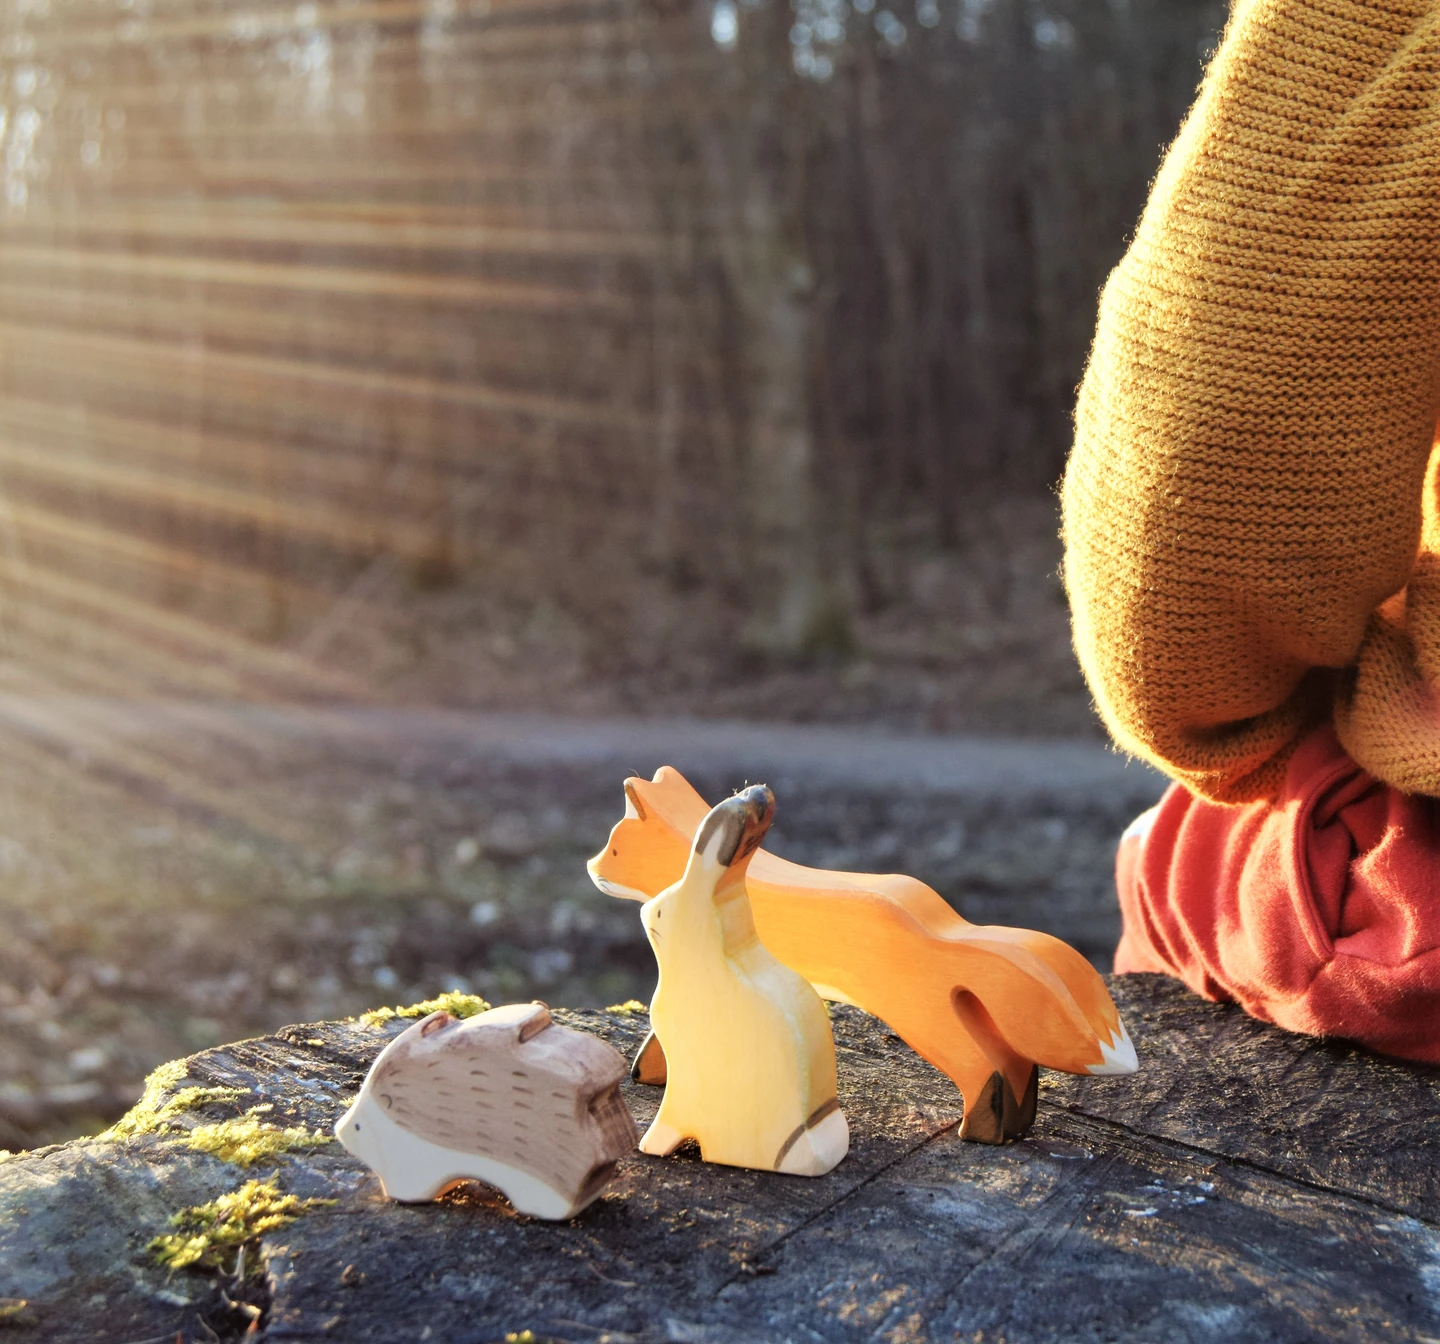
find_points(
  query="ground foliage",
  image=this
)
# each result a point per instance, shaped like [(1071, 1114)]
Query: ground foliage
[(210, 1236), (247, 1139), (452, 1002)]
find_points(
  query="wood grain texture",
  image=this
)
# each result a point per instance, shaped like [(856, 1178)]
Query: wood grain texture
[(1324, 1112)]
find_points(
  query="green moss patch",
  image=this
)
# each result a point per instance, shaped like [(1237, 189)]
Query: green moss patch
[(456, 1004), (628, 1009), (154, 1113), (209, 1236), (242, 1141), (247, 1139)]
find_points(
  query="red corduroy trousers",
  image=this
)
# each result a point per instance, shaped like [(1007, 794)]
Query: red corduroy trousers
[(1318, 910)]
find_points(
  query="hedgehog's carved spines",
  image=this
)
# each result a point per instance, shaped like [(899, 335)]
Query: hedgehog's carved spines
[(506, 1097), (976, 1001)]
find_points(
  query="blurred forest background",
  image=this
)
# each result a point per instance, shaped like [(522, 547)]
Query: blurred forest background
[(504, 352), (706, 357)]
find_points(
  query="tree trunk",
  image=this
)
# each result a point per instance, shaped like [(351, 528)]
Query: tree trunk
[(798, 591)]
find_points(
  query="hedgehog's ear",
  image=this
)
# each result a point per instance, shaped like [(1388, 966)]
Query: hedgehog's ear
[(634, 808), (436, 1022), (537, 1022)]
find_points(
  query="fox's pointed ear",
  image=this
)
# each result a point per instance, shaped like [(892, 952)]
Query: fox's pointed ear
[(676, 785), (634, 808)]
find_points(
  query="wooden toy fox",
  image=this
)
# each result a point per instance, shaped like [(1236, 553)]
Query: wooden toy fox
[(984, 1004), (751, 1060), (506, 1097)]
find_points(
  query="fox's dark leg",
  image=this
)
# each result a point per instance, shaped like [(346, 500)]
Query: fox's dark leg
[(1018, 1125), (984, 1120), (649, 1064), (996, 1114)]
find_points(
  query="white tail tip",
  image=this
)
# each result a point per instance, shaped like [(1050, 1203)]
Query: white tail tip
[(1118, 1056)]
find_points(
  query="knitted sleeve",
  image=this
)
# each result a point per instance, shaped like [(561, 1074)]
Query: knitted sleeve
[(1253, 430)]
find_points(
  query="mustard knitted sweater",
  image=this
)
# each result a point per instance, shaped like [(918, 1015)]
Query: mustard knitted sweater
[(1252, 533)]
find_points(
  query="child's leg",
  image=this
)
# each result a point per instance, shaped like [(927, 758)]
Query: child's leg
[(1318, 910)]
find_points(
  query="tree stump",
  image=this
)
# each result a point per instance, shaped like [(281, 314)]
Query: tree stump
[(1247, 1184)]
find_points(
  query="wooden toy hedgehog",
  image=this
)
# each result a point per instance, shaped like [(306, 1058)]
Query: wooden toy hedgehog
[(751, 1060), (983, 1003), (505, 1097)]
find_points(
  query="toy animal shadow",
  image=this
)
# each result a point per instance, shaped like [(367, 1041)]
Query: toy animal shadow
[(506, 1097), (752, 1061), (982, 1003)]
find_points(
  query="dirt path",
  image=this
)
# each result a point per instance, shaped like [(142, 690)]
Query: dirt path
[(823, 754)]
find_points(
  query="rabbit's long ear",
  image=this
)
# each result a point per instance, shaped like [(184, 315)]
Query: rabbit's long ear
[(720, 834), (734, 829)]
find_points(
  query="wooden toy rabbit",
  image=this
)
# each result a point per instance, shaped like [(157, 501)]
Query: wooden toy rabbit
[(506, 1097), (751, 1060), (984, 1004)]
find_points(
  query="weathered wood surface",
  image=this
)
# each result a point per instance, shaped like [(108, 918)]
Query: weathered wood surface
[(1245, 1185)]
